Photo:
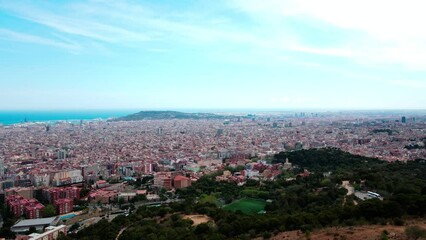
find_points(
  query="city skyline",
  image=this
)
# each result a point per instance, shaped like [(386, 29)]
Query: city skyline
[(199, 55)]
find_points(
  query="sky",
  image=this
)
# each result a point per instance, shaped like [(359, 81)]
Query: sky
[(224, 54)]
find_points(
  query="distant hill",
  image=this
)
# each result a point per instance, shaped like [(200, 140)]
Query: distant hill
[(155, 115)]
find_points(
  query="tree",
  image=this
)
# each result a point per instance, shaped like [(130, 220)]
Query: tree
[(75, 226), (138, 198), (32, 230), (266, 235), (62, 236), (121, 201), (84, 192), (202, 228), (49, 211), (384, 235)]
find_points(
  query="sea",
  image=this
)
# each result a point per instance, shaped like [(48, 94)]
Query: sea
[(21, 116), (8, 117), (16, 117)]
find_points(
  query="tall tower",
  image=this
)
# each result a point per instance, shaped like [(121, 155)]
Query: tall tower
[(1, 165), (219, 132), (403, 119), (159, 131), (62, 154)]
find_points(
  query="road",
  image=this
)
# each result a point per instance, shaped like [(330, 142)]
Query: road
[(119, 233), (157, 202)]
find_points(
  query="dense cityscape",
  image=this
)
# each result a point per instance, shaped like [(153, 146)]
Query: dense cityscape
[(83, 170), (212, 120)]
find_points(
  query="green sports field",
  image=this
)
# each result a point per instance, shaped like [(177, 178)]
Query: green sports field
[(246, 205)]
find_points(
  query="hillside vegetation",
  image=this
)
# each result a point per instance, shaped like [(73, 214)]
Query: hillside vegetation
[(305, 203)]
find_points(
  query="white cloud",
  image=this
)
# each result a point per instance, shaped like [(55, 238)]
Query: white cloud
[(69, 23), (380, 18), (123, 23), (386, 20), (384, 32), (22, 37), (387, 32)]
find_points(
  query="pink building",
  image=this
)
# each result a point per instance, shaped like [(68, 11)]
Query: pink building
[(181, 182), (63, 205), (20, 206), (103, 196), (53, 194)]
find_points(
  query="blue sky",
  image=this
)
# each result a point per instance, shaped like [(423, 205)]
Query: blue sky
[(287, 54)]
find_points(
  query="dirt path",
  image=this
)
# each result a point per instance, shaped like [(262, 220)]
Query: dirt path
[(119, 233), (197, 219), (348, 187)]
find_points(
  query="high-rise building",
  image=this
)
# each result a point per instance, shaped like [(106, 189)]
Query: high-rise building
[(62, 154), (160, 131), (219, 132), (1, 165), (403, 119)]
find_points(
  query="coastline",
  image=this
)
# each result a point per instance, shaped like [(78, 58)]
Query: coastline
[(22, 117)]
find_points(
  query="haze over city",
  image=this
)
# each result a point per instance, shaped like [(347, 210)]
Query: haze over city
[(204, 55)]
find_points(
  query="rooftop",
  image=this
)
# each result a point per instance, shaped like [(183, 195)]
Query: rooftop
[(33, 222)]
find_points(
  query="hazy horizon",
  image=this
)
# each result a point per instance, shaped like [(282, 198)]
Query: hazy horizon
[(21, 116), (211, 110), (237, 54)]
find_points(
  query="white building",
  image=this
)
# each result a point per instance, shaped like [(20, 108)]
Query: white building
[(51, 232), (41, 180), (67, 177)]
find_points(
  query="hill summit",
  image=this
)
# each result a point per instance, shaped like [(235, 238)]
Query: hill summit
[(155, 115)]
